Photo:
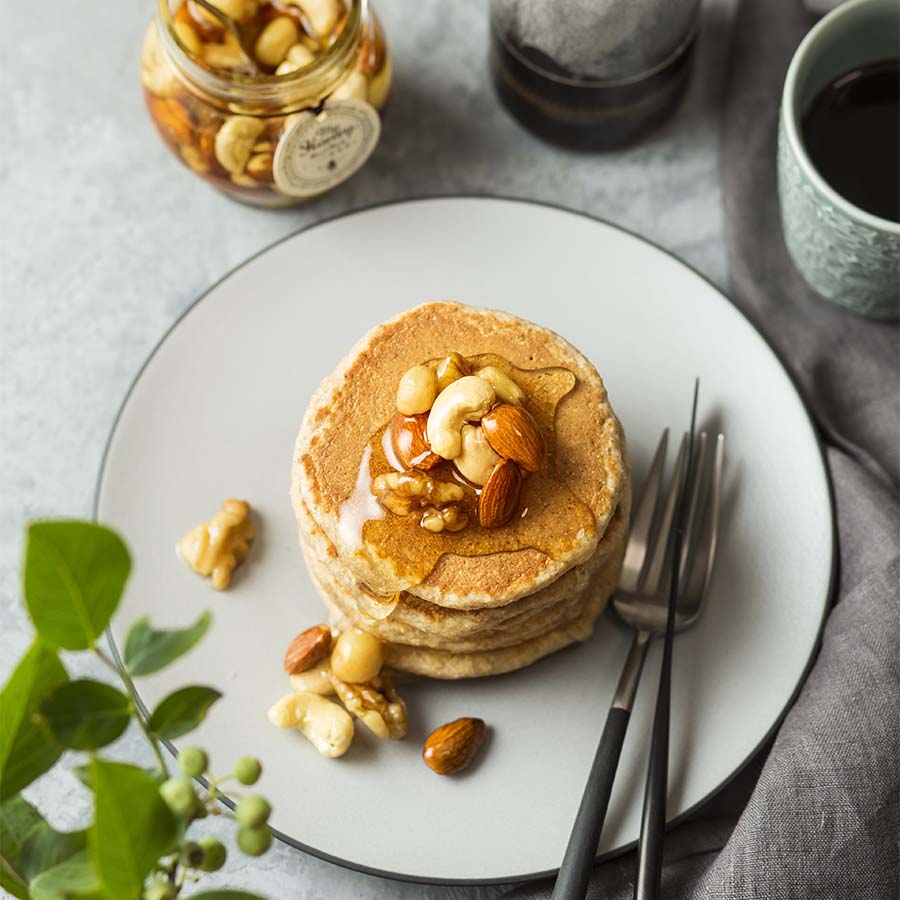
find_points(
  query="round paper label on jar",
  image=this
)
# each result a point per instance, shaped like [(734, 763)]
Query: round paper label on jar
[(317, 151)]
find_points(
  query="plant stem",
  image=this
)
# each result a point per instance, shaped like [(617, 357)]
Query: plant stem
[(124, 677)]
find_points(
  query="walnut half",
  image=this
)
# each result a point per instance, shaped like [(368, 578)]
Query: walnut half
[(216, 547), (441, 501), (376, 703)]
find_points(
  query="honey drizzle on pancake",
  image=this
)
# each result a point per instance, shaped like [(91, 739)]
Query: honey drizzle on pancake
[(552, 515)]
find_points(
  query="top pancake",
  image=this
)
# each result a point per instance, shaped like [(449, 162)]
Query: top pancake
[(358, 398)]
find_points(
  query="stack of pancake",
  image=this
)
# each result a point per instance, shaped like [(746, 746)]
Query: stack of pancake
[(470, 615)]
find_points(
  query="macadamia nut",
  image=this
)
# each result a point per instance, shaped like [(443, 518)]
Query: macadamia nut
[(417, 390), (357, 656)]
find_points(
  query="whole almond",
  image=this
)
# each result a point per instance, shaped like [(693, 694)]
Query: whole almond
[(410, 444), (514, 434), (500, 495), (452, 747), (308, 649)]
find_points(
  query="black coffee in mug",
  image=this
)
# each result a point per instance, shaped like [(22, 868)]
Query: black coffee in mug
[(852, 135)]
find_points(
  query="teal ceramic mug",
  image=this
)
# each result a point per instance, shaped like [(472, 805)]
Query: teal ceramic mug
[(846, 254)]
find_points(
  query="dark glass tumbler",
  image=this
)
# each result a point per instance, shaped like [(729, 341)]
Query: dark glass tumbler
[(592, 74)]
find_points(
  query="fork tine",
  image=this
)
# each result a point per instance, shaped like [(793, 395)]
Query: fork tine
[(642, 521), (696, 495), (701, 564), (655, 566)]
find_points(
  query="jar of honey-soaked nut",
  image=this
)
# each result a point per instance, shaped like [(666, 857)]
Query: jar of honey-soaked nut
[(271, 101)]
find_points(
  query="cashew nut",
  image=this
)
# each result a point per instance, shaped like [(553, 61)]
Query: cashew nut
[(296, 58), (417, 391), (354, 87), (465, 400), (275, 40), (322, 15), (315, 681), (235, 140), (328, 727), (506, 389), (477, 459)]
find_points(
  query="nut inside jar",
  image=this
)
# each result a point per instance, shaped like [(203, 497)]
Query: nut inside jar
[(226, 125)]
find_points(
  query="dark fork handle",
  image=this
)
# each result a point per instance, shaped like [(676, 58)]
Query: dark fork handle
[(581, 852), (653, 816), (575, 871)]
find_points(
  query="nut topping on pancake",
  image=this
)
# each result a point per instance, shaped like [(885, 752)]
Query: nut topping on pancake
[(500, 495), (473, 417), (409, 442), (514, 434)]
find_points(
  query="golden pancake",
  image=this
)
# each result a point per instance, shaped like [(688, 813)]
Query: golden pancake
[(449, 665), (568, 508), (415, 621)]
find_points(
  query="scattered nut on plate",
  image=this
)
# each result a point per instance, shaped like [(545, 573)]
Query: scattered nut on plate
[(327, 725), (452, 747), (217, 547), (308, 649), (357, 656)]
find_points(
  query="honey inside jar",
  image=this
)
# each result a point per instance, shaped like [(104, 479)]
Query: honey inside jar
[(225, 91), (550, 517)]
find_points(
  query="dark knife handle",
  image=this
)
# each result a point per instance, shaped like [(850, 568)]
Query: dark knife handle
[(575, 871)]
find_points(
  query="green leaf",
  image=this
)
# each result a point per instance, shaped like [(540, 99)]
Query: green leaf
[(74, 576), (74, 879), (19, 821), (47, 848), (29, 846), (148, 650), (226, 895), (132, 826), (27, 749), (182, 711), (85, 714)]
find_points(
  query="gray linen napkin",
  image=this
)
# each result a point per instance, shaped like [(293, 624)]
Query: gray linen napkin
[(823, 820)]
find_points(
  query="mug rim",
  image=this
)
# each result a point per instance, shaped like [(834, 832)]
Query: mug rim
[(790, 119)]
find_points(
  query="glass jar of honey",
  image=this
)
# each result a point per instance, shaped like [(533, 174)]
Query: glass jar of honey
[(271, 101)]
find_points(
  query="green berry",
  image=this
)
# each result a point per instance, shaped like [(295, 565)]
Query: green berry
[(252, 811), (180, 796), (247, 770), (214, 854), (192, 855), (160, 890), (254, 841), (193, 761)]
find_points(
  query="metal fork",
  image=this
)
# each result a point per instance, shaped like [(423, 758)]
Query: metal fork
[(642, 602)]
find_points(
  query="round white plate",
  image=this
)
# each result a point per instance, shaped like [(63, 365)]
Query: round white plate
[(214, 414)]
